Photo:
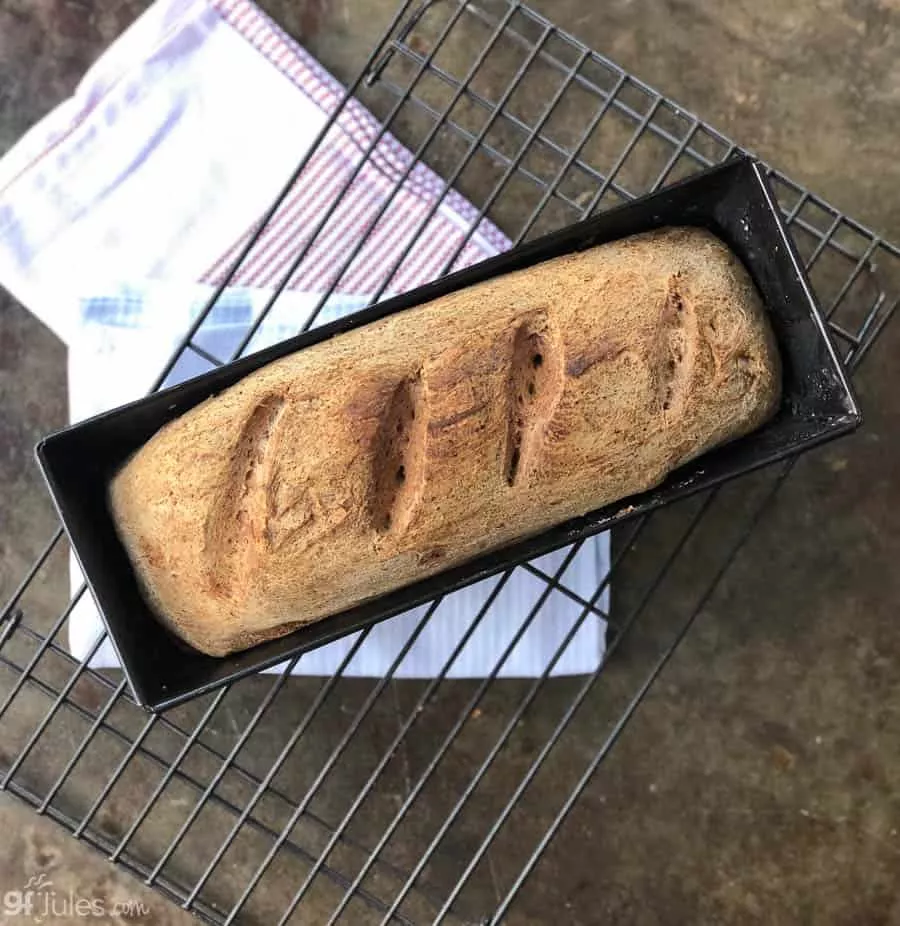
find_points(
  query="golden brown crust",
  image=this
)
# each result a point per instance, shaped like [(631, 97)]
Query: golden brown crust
[(399, 449)]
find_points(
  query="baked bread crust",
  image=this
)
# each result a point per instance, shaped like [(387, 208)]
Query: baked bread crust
[(399, 449)]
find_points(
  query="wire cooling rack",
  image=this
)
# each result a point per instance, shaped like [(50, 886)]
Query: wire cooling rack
[(317, 800)]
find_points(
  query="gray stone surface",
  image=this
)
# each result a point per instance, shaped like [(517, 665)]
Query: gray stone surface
[(67, 886), (758, 781)]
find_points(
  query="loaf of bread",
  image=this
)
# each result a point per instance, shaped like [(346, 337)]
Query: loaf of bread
[(407, 446)]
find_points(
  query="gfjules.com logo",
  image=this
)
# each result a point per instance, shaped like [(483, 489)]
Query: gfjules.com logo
[(38, 900)]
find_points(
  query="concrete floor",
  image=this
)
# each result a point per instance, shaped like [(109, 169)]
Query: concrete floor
[(758, 782)]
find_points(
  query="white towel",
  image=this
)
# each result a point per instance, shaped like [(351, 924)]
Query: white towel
[(123, 209)]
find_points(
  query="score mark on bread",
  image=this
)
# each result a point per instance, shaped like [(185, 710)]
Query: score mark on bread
[(676, 347), (398, 460), (239, 518), (536, 382)]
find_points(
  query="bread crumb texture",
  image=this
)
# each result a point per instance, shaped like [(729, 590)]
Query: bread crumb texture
[(410, 445)]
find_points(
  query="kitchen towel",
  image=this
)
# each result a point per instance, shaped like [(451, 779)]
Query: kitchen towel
[(122, 212)]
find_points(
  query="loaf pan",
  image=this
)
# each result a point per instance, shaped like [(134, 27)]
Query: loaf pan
[(732, 200)]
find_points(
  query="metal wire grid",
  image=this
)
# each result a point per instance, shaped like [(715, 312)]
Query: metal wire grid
[(301, 800)]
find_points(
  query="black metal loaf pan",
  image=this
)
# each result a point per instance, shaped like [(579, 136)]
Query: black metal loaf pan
[(732, 200)]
